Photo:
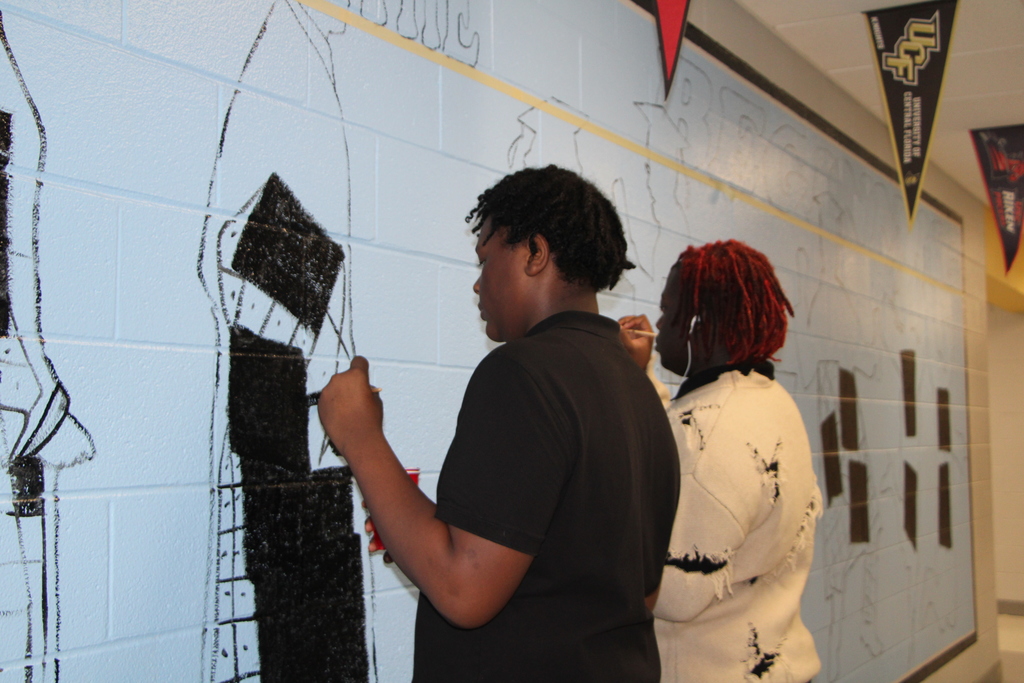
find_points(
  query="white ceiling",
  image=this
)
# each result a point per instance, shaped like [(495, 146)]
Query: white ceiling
[(984, 83)]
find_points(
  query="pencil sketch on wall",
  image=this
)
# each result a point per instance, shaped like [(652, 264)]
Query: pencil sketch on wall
[(285, 593), (441, 25), (40, 436)]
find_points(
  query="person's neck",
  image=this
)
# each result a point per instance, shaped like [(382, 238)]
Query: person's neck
[(718, 356), (560, 300)]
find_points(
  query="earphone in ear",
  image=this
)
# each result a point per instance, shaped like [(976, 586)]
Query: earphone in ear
[(689, 348)]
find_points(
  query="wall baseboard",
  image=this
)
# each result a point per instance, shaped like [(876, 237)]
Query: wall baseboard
[(942, 658), (1014, 607)]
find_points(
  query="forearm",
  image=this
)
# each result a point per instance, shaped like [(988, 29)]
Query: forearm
[(436, 558), (402, 514), (467, 578)]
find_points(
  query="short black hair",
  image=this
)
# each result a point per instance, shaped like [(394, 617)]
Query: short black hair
[(577, 220)]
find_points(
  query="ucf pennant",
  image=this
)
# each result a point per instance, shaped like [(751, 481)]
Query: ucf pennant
[(911, 50)]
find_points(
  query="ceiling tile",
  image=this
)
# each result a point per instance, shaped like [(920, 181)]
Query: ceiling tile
[(979, 73), (982, 111), (987, 24), (833, 43)]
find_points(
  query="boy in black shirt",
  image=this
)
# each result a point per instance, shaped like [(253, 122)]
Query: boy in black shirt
[(556, 498)]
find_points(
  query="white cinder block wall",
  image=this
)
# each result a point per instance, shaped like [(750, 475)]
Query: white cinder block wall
[(170, 304)]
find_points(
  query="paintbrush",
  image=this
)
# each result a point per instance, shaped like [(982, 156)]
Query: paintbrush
[(314, 398)]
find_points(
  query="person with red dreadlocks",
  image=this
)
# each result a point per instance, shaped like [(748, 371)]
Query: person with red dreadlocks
[(729, 604)]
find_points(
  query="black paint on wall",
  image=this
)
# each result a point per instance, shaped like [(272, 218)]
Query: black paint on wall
[(301, 555), (27, 486), (848, 410), (292, 524), (5, 240), (26, 473), (908, 364), (860, 525), (267, 405), (945, 522), (285, 253), (910, 503), (942, 401), (830, 451)]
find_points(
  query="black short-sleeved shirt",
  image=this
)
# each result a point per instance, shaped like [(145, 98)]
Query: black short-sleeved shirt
[(563, 451)]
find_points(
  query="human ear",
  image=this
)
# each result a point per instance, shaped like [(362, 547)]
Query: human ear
[(540, 254)]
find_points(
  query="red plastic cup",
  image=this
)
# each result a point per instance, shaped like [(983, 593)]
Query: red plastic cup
[(414, 474)]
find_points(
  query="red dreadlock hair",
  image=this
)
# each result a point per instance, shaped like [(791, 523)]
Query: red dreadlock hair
[(741, 305)]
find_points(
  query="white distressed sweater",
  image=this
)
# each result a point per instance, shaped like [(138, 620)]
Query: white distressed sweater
[(729, 604)]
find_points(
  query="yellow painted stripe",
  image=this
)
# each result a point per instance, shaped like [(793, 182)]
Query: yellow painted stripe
[(389, 36)]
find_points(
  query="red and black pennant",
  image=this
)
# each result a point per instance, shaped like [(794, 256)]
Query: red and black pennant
[(670, 16), (1001, 156)]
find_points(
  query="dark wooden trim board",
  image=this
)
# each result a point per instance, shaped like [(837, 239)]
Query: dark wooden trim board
[(1012, 607), (941, 659)]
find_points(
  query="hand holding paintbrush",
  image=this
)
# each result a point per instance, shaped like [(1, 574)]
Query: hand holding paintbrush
[(637, 336)]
